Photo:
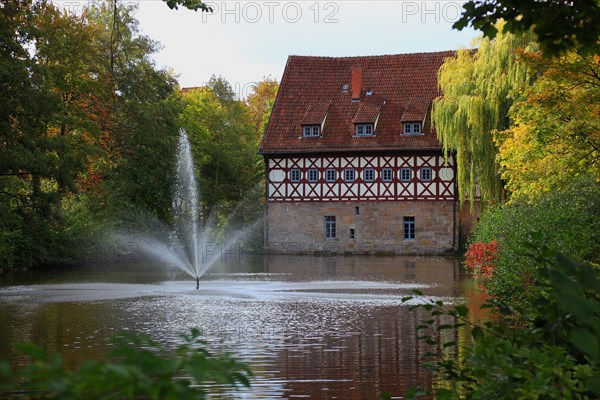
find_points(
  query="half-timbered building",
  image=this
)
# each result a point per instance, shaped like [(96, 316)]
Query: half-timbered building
[(352, 161)]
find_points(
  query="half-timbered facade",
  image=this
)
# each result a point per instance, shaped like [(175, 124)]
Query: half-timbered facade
[(352, 163)]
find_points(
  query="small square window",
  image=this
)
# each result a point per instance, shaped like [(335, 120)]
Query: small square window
[(409, 227), (331, 175), (386, 174), (411, 128), (369, 175), (349, 175), (295, 175), (405, 174), (313, 175), (311, 130), (425, 174), (364, 130)]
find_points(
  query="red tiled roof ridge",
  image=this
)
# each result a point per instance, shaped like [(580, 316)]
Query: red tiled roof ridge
[(373, 56)]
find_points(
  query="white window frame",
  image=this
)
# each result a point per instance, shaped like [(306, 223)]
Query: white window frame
[(363, 130), (349, 175), (330, 227), (311, 130), (328, 177), (412, 128), (426, 171), (409, 228), (293, 173), (408, 171), (387, 174)]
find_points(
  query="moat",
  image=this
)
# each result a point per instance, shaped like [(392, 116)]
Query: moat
[(309, 327)]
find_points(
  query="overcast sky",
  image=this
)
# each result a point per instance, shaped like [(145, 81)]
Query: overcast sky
[(244, 41)]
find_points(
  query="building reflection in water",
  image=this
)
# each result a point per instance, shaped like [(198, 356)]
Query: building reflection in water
[(328, 327)]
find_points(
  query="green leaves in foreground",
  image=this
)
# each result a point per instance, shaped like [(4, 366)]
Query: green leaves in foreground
[(552, 352), (137, 368)]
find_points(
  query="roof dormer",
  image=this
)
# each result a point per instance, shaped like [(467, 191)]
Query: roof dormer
[(314, 119), (366, 117)]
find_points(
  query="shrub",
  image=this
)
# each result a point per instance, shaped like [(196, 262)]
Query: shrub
[(137, 368), (552, 355), (481, 257), (566, 221)]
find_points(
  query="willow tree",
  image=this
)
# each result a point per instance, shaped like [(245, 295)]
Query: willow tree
[(478, 88)]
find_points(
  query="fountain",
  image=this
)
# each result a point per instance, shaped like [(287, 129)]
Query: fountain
[(186, 205), (186, 246)]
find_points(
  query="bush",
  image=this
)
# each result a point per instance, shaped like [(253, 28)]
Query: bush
[(481, 258), (566, 221), (136, 368), (552, 355)]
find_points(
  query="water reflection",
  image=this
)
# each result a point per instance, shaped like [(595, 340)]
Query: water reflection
[(318, 327)]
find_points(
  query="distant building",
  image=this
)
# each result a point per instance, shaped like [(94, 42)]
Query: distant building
[(352, 162)]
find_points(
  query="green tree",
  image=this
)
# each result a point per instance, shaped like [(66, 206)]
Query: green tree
[(556, 135), (478, 88), (43, 125), (569, 222), (222, 137), (87, 120), (142, 129), (194, 5), (559, 25)]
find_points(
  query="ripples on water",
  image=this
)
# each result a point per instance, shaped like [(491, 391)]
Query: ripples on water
[(307, 329)]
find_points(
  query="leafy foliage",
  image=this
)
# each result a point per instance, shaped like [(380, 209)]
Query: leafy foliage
[(260, 102), (88, 131), (478, 89), (559, 25), (222, 138), (569, 221), (194, 5), (552, 353), (480, 258), (556, 134), (137, 368), (44, 126)]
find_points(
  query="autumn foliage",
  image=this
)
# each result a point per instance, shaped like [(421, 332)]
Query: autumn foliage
[(481, 258)]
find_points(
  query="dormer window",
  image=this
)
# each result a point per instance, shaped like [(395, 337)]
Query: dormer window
[(311, 130), (364, 130), (411, 128)]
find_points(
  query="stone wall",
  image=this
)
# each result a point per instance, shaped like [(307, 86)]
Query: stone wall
[(378, 227)]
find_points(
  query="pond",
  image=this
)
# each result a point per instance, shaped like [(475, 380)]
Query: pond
[(309, 327)]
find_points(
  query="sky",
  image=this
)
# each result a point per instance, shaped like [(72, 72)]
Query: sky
[(245, 41)]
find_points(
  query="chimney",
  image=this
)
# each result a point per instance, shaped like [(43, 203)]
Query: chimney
[(356, 82)]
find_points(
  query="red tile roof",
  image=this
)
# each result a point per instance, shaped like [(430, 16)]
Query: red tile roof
[(403, 87)]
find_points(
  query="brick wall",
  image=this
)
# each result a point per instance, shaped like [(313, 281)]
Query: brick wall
[(378, 227)]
